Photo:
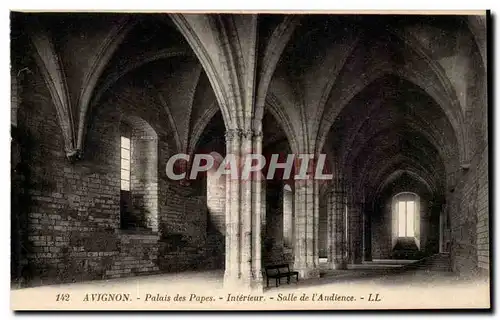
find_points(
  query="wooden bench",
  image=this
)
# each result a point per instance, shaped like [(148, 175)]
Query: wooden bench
[(280, 271)]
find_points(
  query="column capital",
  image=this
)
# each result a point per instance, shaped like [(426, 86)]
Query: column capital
[(74, 154), (258, 134), (359, 203), (247, 133), (231, 134), (240, 133)]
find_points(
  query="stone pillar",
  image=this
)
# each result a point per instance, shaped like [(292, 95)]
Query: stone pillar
[(323, 224), (243, 217), (246, 213), (258, 215), (306, 228), (314, 254), (232, 272), (367, 236), (355, 233), (336, 227), (441, 232)]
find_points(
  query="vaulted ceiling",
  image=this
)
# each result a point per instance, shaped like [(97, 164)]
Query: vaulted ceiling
[(379, 94)]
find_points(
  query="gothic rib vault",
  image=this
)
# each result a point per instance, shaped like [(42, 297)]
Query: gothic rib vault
[(397, 104)]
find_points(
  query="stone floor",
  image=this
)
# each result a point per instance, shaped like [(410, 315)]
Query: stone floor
[(383, 277)]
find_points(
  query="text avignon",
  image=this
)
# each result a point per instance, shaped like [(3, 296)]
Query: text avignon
[(105, 297)]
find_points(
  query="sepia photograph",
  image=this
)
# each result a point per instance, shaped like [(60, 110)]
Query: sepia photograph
[(250, 160)]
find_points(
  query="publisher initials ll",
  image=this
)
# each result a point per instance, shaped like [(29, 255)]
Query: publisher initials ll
[(371, 298)]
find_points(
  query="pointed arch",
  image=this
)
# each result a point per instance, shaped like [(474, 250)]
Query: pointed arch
[(135, 63), (424, 72), (272, 53), (171, 121), (97, 65), (396, 174), (277, 111), (450, 107), (207, 61), (198, 129)]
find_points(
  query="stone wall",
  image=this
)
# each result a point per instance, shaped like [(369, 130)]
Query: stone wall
[(382, 224), (183, 229), (66, 216), (469, 218), (381, 232), (136, 254), (72, 210), (355, 225), (144, 175), (323, 227)]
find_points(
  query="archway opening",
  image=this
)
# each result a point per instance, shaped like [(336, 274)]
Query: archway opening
[(405, 225), (213, 191), (277, 196)]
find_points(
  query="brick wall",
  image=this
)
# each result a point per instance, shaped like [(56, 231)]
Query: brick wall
[(144, 175), (355, 223), (482, 226), (72, 211), (18, 182), (14, 96), (382, 232), (183, 228), (137, 253), (469, 218)]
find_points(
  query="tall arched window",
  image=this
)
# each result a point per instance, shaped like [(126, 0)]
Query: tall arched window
[(125, 162), (406, 216), (287, 216), (125, 194)]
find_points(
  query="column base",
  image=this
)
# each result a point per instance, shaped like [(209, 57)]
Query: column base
[(338, 265), (241, 285), (357, 260), (308, 273)]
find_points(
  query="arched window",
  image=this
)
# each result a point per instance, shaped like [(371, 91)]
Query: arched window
[(287, 216), (406, 216), (125, 162), (125, 194), (138, 175)]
